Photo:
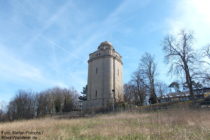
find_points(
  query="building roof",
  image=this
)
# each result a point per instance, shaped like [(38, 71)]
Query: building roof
[(105, 45), (186, 93)]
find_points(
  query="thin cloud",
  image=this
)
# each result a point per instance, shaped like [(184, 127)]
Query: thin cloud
[(61, 58), (48, 23), (110, 24), (15, 69), (12, 66), (192, 15)]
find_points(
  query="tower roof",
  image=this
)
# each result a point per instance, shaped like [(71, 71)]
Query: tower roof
[(105, 49), (105, 45)]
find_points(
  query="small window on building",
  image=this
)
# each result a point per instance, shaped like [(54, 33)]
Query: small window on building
[(96, 70), (96, 93), (118, 72)]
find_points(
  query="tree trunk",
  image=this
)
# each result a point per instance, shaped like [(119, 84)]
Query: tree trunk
[(189, 81)]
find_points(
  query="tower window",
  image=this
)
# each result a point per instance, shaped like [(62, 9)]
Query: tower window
[(96, 70), (96, 93)]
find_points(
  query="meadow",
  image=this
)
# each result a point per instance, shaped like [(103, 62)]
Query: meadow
[(176, 124)]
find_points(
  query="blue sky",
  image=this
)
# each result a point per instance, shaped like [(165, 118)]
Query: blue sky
[(46, 43)]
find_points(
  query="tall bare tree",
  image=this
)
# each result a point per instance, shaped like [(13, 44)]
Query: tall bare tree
[(3, 116), (147, 67), (129, 90), (181, 56), (22, 106), (139, 87), (135, 94)]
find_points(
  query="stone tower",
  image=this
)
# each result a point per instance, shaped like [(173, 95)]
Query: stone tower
[(105, 83)]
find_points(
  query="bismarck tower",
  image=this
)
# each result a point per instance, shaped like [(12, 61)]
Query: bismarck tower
[(105, 82)]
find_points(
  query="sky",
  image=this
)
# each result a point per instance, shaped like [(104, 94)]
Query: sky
[(46, 43)]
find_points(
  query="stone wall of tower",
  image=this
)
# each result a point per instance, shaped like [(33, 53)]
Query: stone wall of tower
[(117, 78), (104, 77)]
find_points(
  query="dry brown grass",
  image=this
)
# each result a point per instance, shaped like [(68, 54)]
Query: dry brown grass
[(160, 125)]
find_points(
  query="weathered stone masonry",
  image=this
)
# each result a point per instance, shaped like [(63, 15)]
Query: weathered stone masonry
[(105, 83)]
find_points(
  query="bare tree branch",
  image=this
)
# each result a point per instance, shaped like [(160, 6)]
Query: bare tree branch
[(178, 51)]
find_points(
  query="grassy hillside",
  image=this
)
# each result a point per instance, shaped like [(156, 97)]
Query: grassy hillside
[(161, 125)]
